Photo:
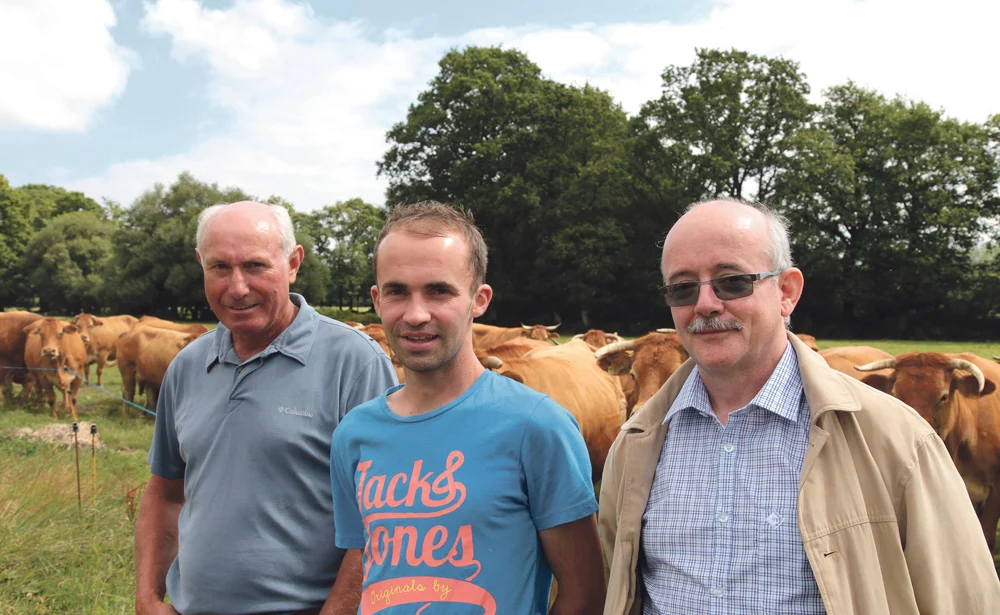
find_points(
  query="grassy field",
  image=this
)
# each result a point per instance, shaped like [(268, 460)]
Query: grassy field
[(55, 558)]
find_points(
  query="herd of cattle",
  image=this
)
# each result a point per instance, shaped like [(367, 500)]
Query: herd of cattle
[(43, 354), (600, 377)]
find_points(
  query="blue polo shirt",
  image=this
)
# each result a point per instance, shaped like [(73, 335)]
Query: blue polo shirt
[(251, 440)]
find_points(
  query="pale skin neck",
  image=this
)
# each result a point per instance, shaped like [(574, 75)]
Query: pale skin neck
[(428, 391), (248, 346), (734, 388)]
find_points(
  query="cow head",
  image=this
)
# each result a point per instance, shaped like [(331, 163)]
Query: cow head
[(927, 382), (51, 331), (643, 364), (595, 338), (540, 332), (84, 322)]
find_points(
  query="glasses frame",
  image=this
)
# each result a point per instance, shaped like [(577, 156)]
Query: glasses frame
[(754, 277)]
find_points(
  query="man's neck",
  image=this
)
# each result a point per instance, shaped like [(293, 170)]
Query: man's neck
[(428, 391), (734, 388)]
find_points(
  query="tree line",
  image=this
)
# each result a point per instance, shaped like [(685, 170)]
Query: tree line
[(894, 206)]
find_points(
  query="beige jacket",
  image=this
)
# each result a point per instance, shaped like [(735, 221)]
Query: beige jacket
[(884, 516)]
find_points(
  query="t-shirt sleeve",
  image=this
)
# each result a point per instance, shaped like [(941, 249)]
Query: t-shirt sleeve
[(164, 452), (557, 467), (376, 378), (350, 530)]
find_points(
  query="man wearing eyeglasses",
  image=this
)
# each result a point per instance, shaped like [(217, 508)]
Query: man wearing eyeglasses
[(759, 480)]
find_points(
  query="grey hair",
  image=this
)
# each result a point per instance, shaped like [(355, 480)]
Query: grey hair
[(280, 214)]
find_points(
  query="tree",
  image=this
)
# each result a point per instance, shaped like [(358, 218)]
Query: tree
[(541, 166), (15, 233), (725, 122), (345, 242), (47, 202), (889, 199), (66, 260)]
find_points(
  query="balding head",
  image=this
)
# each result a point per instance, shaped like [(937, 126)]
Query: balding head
[(272, 220), (748, 218)]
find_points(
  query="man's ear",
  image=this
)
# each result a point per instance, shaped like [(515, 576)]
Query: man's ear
[(481, 300), (790, 283), (294, 262), (375, 305)]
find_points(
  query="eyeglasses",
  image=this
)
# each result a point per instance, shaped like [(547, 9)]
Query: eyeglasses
[(725, 288)]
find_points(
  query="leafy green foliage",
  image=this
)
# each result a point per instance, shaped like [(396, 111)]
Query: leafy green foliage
[(345, 236), (15, 233), (66, 260)]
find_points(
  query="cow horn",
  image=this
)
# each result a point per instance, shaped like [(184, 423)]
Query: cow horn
[(524, 326), (493, 362), (578, 336), (615, 347), (876, 365), (553, 327), (616, 337), (996, 358), (666, 330), (972, 368)]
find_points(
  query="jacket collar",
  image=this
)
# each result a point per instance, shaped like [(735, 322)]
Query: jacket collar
[(825, 390)]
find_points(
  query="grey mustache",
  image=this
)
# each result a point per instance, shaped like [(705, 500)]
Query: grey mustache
[(713, 324)]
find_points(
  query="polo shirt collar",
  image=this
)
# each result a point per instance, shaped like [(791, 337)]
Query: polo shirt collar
[(294, 342), (780, 394)]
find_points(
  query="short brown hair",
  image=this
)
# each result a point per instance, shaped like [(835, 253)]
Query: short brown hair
[(433, 219)]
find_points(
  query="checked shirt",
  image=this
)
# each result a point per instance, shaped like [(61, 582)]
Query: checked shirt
[(720, 533)]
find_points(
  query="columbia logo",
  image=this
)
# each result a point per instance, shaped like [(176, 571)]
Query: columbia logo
[(295, 411)]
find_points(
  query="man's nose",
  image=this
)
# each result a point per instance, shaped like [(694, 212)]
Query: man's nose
[(416, 311), (708, 301), (238, 284)]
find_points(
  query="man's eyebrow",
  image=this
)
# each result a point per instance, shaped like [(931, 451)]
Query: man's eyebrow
[(441, 286), (717, 269), (394, 286)]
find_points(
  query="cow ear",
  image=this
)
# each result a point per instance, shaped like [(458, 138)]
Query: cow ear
[(616, 363), (33, 329), (969, 386), (514, 376), (878, 381), (96, 323), (70, 328)]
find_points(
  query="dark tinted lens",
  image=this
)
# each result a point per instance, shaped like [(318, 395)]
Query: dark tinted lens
[(684, 293), (733, 286)]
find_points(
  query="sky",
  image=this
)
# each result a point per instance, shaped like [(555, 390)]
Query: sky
[(294, 98)]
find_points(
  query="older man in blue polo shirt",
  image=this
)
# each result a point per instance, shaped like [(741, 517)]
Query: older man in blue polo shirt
[(237, 515)]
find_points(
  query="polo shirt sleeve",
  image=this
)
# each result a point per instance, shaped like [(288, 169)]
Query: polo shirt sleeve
[(350, 529), (557, 468), (164, 453), (374, 380)]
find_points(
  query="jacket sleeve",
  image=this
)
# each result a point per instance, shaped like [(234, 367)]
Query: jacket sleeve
[(607, 516), (949, 562)]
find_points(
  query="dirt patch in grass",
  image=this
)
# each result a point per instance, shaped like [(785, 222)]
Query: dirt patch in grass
[(60, 434)]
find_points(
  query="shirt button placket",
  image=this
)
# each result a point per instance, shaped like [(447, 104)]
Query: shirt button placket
[(723, 555)]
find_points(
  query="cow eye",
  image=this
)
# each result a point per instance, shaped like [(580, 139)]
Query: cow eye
[(944, 398)]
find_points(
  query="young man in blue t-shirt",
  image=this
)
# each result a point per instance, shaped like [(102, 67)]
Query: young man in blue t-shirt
[(466, 490)]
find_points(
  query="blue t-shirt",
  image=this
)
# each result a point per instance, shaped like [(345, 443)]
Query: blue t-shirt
[(447, 505)]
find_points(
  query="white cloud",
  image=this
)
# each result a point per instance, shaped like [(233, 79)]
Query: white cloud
[(58, 63), (311, 101)]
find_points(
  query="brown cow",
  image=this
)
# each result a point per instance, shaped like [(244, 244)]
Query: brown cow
[(570, 376), (643, 364), (963, 409), (488, 336), (55, 353), (515, 348), (845, 358), (12, 338), (144, 353), (100, 335), (595, 338), (152, 321), (809, 340)]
